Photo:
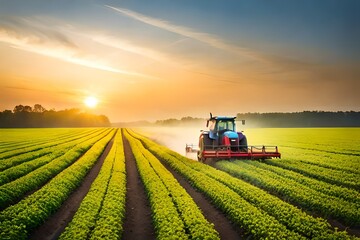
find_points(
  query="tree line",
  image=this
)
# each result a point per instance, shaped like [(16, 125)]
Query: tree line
[(183, 121), (24, 116), (302, 119), (281, 120)]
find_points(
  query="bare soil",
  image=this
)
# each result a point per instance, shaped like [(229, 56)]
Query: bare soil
[(56, 224), (351, 230), (137, 223)]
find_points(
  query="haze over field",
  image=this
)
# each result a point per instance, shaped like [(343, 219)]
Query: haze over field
[(135, 61)]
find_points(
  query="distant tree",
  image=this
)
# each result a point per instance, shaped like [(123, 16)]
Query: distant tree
[(18, 108), (22, 108), (7, 112), (27, 109), (38, 108), (170, 121)]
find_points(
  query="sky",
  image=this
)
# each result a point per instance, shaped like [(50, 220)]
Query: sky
[(149, 60)]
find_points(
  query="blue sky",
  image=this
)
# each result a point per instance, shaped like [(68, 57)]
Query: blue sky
[(267, 55)]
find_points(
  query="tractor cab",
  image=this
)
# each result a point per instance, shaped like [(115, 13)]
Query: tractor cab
[(220, 127)]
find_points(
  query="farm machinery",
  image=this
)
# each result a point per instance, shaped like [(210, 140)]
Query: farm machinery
[(222, 141)]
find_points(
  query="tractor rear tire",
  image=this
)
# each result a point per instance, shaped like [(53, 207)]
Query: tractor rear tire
[(243, 144), (207, 142)]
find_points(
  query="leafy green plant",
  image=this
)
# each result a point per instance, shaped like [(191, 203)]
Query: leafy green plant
[(17, 171), (27, 154), (344, 193), (17, 220), (187, 220), (294, 192), (102, 210), (253, 220), (340, 178), (111, 216), (15, 190)]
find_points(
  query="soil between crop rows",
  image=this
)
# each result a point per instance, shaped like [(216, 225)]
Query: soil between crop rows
[(56, 224), (137, 223)]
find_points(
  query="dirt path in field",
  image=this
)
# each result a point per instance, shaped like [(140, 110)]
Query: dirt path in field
[(224, 226), (137, 223), (56, 224), (355, 231)]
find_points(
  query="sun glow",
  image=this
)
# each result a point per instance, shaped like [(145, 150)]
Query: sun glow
[(91, 102)]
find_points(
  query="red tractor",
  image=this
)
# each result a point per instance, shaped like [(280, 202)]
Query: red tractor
[(222, 141)]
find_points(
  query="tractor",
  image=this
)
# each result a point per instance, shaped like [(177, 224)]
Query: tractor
[(222, 141)]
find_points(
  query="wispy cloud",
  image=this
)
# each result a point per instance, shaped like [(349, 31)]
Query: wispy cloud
[(266, 63), (128, 47), (34, 37), (209, 39), (71, 92)]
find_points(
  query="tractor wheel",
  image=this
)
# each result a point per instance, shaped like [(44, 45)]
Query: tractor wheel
[(243, 144)]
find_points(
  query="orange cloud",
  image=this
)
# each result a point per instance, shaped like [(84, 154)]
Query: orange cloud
[(32, 37)]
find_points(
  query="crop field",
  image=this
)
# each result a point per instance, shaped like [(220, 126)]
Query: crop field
[(110, 183)]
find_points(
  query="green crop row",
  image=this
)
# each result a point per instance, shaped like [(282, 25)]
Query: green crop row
[(15, 190), (166, 218), (294, 192), (38, 146), (15, 160), (324, 140), (103, 208), (24, 157), (334, 161), (13, 153), (341, 178), (195, 223), (332, 148), (332, 190), (287, 214), (17, 171), (341, 163), (13, 139), (34, 137), (255, 221), (109, 224), (18, 220)]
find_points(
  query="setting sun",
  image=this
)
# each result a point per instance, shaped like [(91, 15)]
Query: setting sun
[(91, 102)]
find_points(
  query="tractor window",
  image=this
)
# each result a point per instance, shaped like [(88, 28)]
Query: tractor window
[(221, 125), (229, 125)]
